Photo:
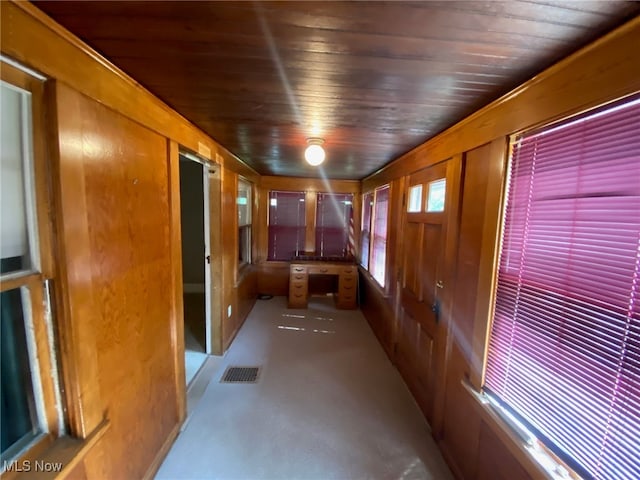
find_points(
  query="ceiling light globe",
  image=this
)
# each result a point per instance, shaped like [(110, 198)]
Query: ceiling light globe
[(314, 155)]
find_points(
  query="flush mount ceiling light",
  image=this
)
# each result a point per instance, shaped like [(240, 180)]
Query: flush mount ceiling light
[(314, 153)]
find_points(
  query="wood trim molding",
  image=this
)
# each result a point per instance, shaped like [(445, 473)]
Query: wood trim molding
[(311, 204), (302, 184), (487, 270), (162, 453), (599, 73), (67, 452), (234, 164), (453, 201), (74, 297), (19, 279), (506, 434), (177, 320), (30, 37), (216, 267)]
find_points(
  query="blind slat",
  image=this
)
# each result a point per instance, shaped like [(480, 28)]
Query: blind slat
[(379, 238), (333, 213), (564, 349), (286, 224)]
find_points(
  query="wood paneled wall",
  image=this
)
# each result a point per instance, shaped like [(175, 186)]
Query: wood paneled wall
[(239, 285), (120, 263), (114, 152), (115, 147), (476, 444)]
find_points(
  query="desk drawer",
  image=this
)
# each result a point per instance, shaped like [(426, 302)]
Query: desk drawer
[(348, 279), (297, 300), (298, 277), (298, 294), (298, 287), (350, 270), (297, 269), (324, 270), (347, 289), (298, 297)]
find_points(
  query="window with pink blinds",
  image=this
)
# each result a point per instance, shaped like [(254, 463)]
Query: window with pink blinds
[(379, 240), (333, 212), (564, 350), (286, 225)]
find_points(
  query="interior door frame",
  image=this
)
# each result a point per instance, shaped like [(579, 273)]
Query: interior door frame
[(212, 243), (213, 257), (207, 258)]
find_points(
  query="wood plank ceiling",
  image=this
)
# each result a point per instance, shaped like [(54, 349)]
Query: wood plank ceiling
[(373, 79)]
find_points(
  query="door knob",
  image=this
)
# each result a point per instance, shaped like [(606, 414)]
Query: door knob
[(435, 308)]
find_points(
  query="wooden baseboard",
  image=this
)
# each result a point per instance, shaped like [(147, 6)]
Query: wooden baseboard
[(450, 460), (162, 453)]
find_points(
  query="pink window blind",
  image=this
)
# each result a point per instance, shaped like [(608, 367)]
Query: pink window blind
[(379, 241), (333, 212), (286, 225), (365, 235), (564, 351)]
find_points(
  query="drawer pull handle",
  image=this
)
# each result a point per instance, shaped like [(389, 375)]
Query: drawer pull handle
[(347, 288), (324, 270), (299, 269)]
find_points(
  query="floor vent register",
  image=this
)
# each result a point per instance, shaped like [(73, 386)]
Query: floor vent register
[(241, 375)]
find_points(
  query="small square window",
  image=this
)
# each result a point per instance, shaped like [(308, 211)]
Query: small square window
[(415, 199), (436, 195)]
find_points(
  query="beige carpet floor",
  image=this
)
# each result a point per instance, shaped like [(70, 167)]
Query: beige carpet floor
[(328, 405)]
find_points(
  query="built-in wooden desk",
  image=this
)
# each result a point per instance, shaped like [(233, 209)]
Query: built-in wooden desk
[(299, 282)]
